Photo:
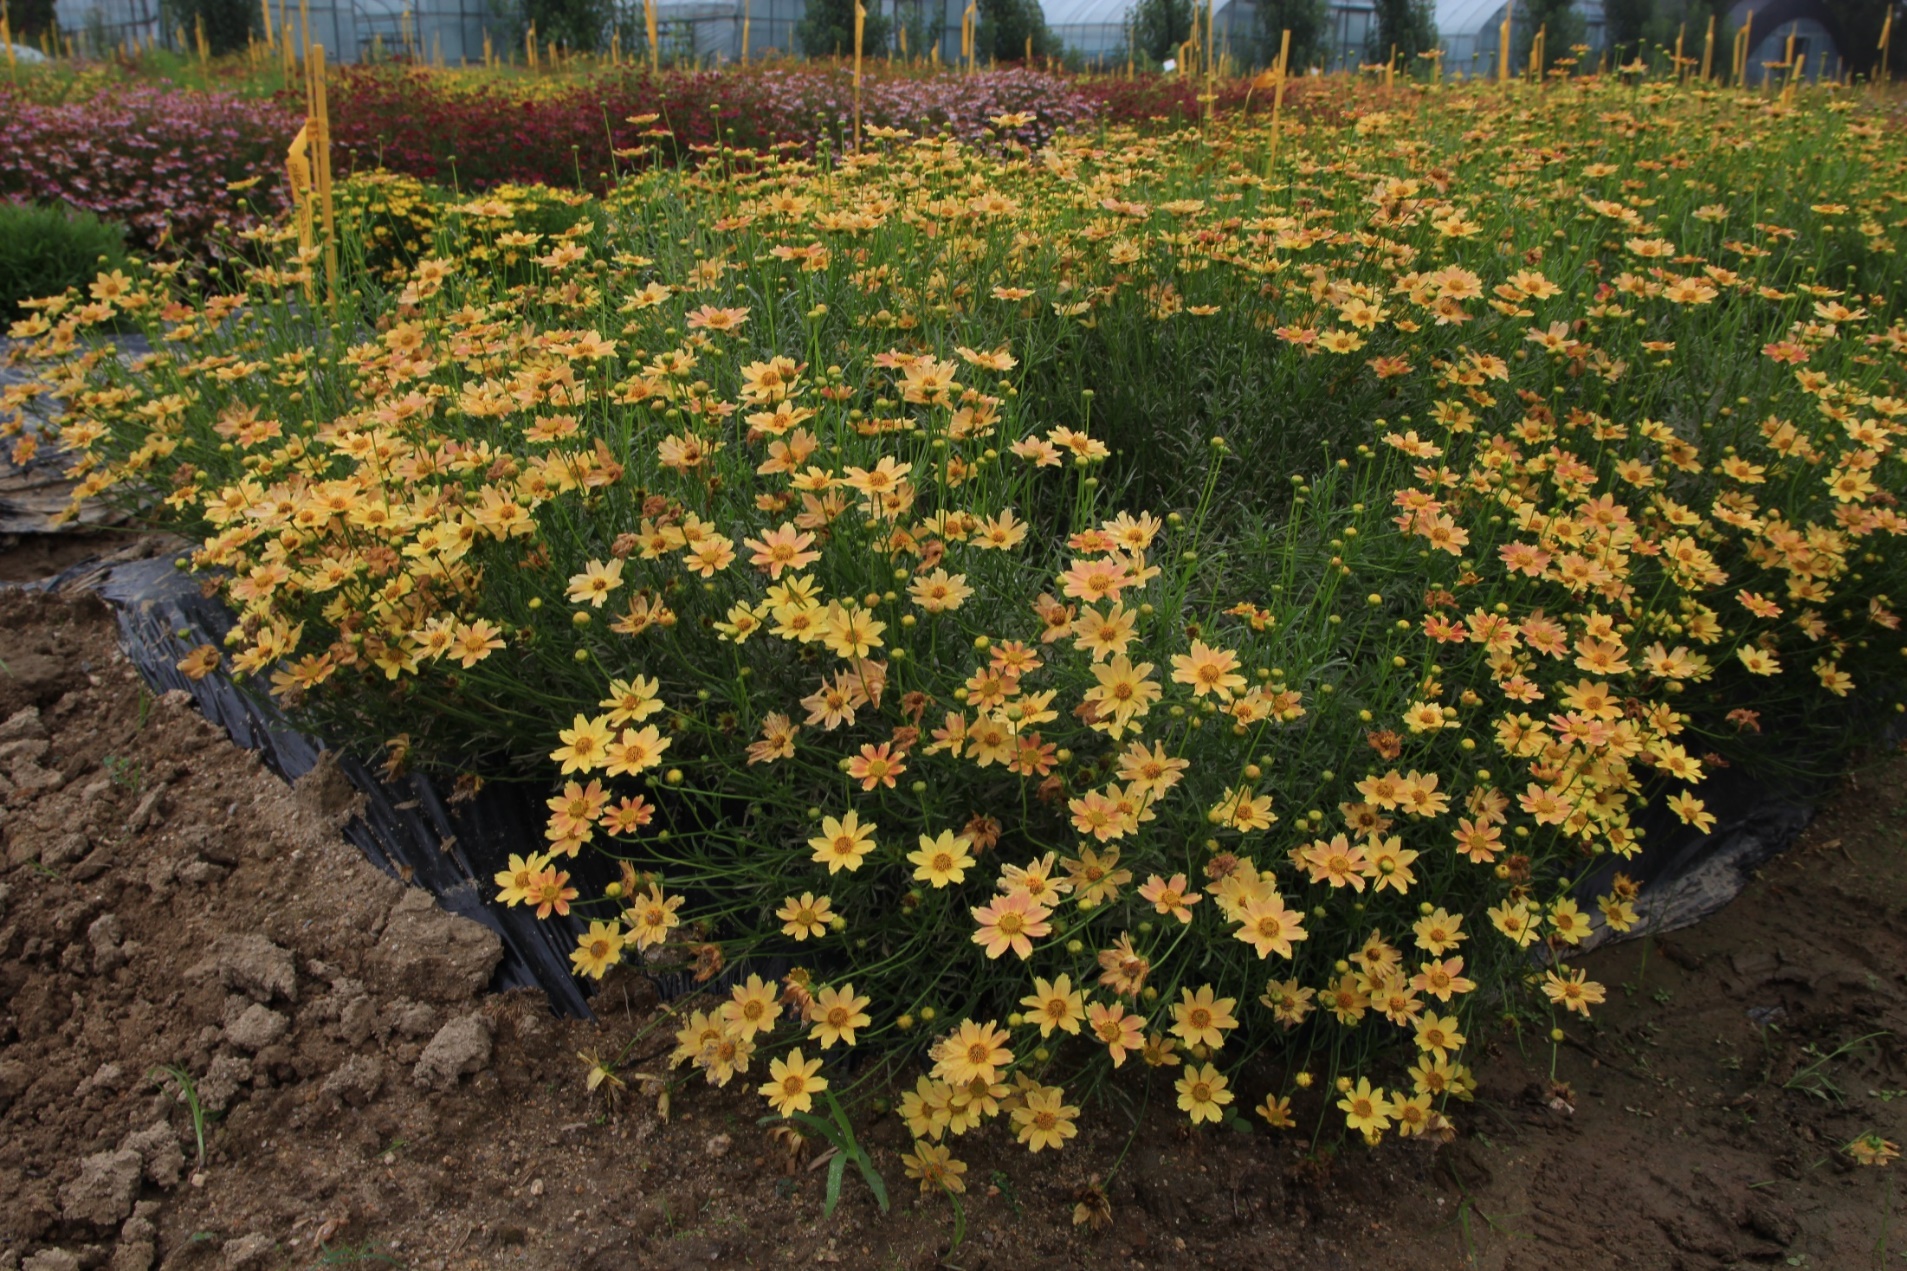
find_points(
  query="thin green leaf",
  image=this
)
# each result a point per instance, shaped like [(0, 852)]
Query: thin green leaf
[(837, 1170)]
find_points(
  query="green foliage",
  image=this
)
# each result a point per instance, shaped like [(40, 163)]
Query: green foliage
[(827, 29), (1408, 26), (229, 24), (45, 250), (1560, 22), (29, 18), (1005, 26), (1160, 26), (1627, 26), (582, 25), (1307, 20)]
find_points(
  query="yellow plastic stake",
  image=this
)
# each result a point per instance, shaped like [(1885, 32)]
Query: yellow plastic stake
[(1503, 44), (321, 172), (649, 27), (298, 171)]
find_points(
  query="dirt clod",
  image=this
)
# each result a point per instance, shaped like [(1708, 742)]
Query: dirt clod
[(256, 1028), (253, 965), (433, 954), (460, 1048), (102, 1194)]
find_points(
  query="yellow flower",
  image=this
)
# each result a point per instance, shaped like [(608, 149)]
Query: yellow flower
[(1202, 1094), (793, 1084), (593, 585), (1366, 1110), (1055, 1004), (805, 917), (1203, 1019), (597, 949), (1044, 1119), (843, 843), (941, 860), (585, 745), (935, 1167), (836, 1013)]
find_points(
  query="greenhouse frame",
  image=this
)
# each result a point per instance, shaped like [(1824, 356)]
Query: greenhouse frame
[(1096, 33)]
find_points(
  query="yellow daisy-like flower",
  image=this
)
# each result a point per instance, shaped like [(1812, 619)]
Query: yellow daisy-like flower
[(597, 949), (1203, 1094), (793, 1083), (843, 843), (805, 917), (943, 859)]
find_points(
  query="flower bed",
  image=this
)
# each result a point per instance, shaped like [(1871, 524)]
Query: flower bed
[(163, 163), (1141, 606), (569, 133)]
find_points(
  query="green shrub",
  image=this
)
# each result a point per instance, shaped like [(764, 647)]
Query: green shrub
[(45, 250)]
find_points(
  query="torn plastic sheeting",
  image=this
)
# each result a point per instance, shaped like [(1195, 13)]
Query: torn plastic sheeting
[(450, 847)]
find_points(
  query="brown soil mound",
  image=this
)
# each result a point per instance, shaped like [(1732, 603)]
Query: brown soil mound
[(166, 902)]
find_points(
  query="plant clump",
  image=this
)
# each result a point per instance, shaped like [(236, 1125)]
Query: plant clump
[(945, 672)]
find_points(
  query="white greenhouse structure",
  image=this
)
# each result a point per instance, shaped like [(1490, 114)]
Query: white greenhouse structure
[(1097, 32)]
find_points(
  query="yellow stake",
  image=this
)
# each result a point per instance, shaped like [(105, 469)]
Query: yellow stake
[(860, 24), (1503, 44)]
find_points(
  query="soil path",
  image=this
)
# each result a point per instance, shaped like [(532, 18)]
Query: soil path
[(166, 902)]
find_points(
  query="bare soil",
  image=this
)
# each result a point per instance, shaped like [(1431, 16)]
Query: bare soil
[(166, 902)]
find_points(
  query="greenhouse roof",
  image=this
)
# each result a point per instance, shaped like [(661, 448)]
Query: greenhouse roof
[(1086, 12), (1466, 17)]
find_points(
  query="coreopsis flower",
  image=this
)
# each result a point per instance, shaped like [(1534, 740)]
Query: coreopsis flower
[(1117, 1030), (550, 892), (1268, 927), (634, 751), (1438, 1034), (941, 860), (1365, 1109), (597, 949), (1872, 1149), (1573, 992), (843, 843), (973, 1051), (1276, 1110), (1174, 897), (936, 1168), (1201, 1019), (1203, 1094), (804, 917), (1012, 921), (1044, 1119), (751, 1007), (793, 1082), (836, 1012), (593, 585), (584, 747), (652, 916), (1289, 1002), (1208, 670), (514, 883)]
